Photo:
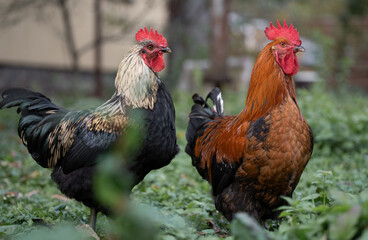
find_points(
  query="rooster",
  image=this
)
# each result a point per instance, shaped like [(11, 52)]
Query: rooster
[(71, 142), (254, 158)]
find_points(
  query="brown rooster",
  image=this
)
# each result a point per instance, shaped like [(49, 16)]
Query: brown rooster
[(71, 142), (254, 158)]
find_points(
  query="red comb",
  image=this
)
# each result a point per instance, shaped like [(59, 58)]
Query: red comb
[(153, 36), (289, 33)]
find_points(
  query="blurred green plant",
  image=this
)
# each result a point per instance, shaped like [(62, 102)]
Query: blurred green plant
[(113, 185), (245, 227), (59, 232), (339, 121)]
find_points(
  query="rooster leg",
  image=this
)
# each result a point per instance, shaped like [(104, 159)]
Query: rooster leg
[(93, 218)]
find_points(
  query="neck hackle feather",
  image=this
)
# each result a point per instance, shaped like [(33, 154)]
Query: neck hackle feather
[(268, 85)]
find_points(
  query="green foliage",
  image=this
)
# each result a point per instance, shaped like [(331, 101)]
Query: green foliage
[(174, 202), (245, 227), (60, 232), (339, 122)]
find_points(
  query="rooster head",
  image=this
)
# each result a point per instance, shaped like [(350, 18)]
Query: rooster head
[(285, 46), (153, 47)]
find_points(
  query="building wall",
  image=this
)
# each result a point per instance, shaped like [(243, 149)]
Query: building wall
[(37, 41)]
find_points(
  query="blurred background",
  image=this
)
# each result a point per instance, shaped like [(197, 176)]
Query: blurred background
[(70, 51), (74, 47)]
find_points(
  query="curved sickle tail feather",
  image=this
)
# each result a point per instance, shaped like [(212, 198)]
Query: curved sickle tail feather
[(218, 104), (201, 114), (37, 120)]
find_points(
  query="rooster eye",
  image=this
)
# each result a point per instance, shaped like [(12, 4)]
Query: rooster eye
[(150, 47), (282, 44)]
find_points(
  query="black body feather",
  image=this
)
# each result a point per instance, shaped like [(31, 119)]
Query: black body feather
[(201, 114), (159, 146)]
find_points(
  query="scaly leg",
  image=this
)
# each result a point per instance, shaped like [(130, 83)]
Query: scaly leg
[(93, 218)]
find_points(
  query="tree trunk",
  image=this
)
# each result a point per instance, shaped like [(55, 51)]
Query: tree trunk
[(98, 88), (184, 40), (68, 35), (219, 46)]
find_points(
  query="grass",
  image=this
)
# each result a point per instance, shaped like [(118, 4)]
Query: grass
[(330, 201)]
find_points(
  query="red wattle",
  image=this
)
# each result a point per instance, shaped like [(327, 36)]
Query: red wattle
[(158, 63), (289, 63)]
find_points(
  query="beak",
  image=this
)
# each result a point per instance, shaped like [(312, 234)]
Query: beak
[(299, 49), (165, 50)]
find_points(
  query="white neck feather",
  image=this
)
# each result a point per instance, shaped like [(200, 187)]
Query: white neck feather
[(136, 82)]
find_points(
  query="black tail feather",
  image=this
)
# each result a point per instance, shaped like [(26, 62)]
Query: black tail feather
[(216, 97), (200, 114), (37, 120), (19, 97)]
